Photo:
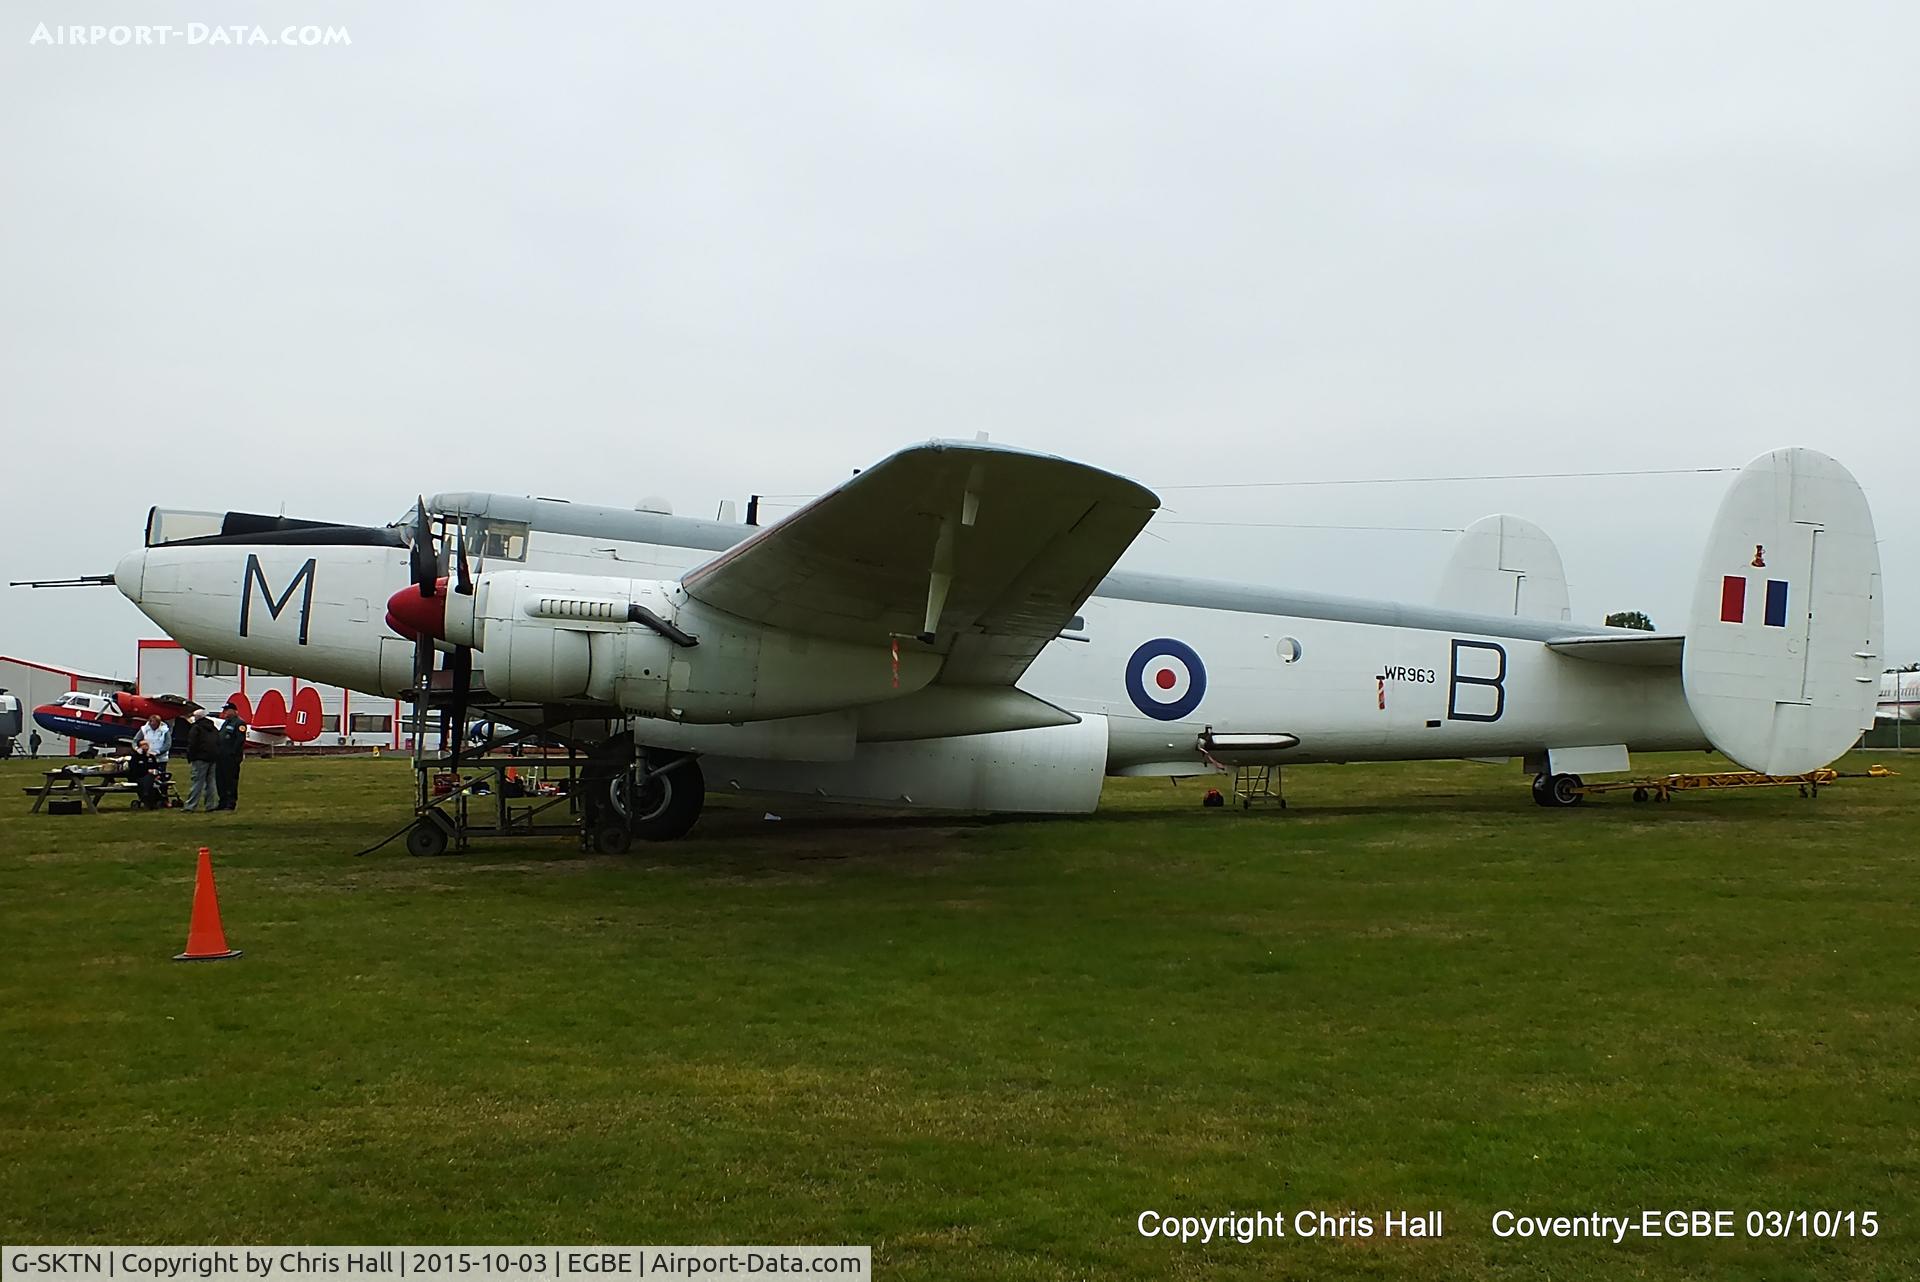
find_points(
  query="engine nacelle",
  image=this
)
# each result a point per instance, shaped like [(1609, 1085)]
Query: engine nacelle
[(536, 661), (553, 638)]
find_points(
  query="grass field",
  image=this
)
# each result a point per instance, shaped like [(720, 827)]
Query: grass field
[(983, 1047)]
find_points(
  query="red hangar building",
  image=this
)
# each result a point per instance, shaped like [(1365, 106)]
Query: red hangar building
[(309, 714)]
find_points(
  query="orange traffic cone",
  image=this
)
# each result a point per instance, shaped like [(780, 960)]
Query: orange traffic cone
[(206, 941)]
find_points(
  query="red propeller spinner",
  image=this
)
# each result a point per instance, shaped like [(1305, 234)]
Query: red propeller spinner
[(413, 614)]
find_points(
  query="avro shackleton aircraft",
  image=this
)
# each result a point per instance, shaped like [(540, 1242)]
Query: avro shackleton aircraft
[(945, 630)]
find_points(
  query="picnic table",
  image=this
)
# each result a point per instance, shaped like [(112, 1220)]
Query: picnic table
[(90, 788), (61, 782)]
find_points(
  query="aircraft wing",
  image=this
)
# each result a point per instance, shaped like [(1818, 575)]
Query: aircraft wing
[(1640, 649), (982, 553)]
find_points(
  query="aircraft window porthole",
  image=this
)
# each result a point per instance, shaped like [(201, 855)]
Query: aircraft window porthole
[(1288, 650)]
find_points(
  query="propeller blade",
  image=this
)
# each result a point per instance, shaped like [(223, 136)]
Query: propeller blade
[(425, 566), (462, 663), (463, 578)]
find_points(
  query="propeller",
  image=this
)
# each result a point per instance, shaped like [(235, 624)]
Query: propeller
[(426, 625)]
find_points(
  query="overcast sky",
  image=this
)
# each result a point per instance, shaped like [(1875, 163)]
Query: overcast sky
[(698, 251)]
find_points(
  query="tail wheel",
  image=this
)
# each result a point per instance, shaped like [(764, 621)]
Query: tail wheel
[(1563, 790)]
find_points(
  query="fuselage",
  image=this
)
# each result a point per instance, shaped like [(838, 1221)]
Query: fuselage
[(90, 718), (1163, 660), (1351, 680), (105, 719)]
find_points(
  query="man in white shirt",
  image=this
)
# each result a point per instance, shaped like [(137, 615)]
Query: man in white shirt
[(158, 736)]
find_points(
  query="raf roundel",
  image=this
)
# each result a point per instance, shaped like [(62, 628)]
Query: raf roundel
[(1165, 679)]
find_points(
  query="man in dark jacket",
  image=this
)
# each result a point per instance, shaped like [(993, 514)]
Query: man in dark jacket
[(203, 752), (143, 772), (233, 748)]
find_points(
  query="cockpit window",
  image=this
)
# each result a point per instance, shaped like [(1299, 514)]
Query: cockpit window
[(501, 540), (173, 525)]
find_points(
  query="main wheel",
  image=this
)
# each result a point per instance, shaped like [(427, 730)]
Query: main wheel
[(1540, 791), (667, 805)]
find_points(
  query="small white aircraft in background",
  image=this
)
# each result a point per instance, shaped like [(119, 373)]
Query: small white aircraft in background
[(945, 630)]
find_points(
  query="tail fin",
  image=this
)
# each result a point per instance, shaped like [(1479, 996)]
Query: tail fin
[(1783, 643), (1505, 565)]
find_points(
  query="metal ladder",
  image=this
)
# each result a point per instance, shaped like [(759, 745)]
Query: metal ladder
[(1258, 785)]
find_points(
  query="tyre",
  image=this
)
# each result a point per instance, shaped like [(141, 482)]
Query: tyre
[(427, 837), (613, 839), (1563, 790), (670, 803), (1540, 791)]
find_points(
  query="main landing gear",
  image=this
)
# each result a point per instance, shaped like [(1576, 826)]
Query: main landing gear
[(544, 780), (1556, 790), (651, 802)]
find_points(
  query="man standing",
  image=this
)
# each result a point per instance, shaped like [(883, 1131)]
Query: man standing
[(233, 748), (203, 751), (33, 745), (158, 736)]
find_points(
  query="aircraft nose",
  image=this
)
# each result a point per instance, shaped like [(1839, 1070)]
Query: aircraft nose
[(412, 615), (131, 574)]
